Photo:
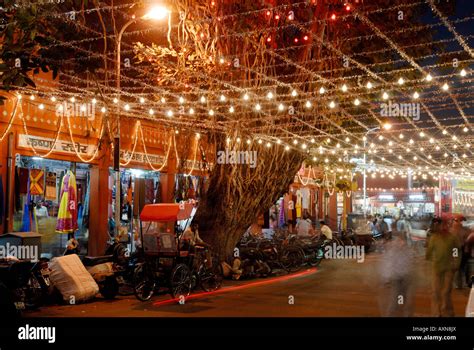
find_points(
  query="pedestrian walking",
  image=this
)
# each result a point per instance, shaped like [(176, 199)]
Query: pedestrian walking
[(444, 252), (397, 273)]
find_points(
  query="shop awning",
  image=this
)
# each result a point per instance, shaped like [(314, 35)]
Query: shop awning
[(163, 212)]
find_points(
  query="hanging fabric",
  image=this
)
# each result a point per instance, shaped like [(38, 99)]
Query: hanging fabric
[(24, 177), (281, 217), (51, 192), (85, 219), (67, 215), (26, 222), (17, 191), (36, 182)]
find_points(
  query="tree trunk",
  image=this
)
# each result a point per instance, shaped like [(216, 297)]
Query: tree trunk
[(238, 193)]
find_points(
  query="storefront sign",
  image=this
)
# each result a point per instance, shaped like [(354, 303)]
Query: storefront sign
[(141, 157), (45, 144)]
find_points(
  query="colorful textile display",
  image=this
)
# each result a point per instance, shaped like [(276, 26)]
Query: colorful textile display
[(36, 182), (51, 192), (298, 204), (281, 218), (67, 215), (26, 223)]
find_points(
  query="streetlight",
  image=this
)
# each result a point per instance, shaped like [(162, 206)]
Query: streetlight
[(157, 12), (386, 126)]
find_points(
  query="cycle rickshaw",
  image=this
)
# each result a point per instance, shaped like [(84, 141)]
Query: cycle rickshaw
[(167, 262)]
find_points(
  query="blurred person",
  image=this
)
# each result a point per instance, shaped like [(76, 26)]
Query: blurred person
[(304, 227), (326, 230), (462, 232), (397, 275), (444, 252)]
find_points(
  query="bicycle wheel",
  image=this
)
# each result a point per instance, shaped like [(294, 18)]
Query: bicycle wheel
[(292, 259), (317, 257), (33, 293), (143, 283), (180, 281), (210, 279)]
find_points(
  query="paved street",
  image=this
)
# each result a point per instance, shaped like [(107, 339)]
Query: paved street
[(336, 288)]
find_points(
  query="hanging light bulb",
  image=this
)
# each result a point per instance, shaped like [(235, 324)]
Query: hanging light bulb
[(344, 88), (231, 109), (422, 134), (357, 102), (127, 107), (437, 148), (294, 93), (401, 81), (41, 106), (445, 87), (279, 141), (269, 144), (191, 111), (246, 97), (248, 142), (313, 140), (163, 100), (281, 107), (401, 136), (181, 99), (463, 73), (303, 146), (258, 107), (385, 96), (287, 148), (169, 113), (270, 95), (322, 90), (103, 110), (295, 142), (369, 85), (416, 95), (115, 100), (203, 99), (211, 112), (142, 100), (465, 129), (332, 104), (428, 77), (308, 104), (445, 132)]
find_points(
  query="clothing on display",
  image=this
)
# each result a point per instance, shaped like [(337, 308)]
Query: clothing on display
[(305, 197), (149, 191), (50, 192), (298, 204), (67, 215), (36, 182), (17, 191)]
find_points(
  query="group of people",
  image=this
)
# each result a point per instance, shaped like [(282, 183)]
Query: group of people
[(304, 228), (449, 246)]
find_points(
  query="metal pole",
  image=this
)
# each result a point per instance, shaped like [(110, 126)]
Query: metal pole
[(117, 135)]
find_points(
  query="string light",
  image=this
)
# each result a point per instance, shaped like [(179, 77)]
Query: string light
[(231, 109), (151, 111), (463, 73), (369, 85), (332, 104), (385, 96), (445, 87), (191, 111), (270, 95), (344, 88), (294, 93), (203, 99), (281, 107), (258, 107), (308, 104), (322, 90), (429, 77), (401, 81), (169, 113), (181, 99), (416, 95), (357, 102)]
